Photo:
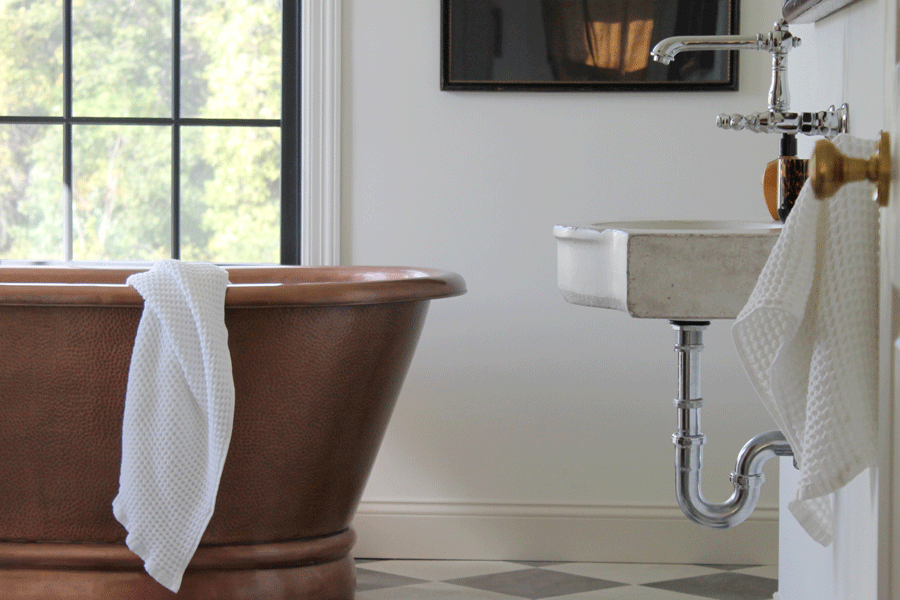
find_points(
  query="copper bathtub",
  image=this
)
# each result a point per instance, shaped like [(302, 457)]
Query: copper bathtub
[(318, 354)]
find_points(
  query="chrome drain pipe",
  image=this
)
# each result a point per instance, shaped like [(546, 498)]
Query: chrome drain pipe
[(747, 476)]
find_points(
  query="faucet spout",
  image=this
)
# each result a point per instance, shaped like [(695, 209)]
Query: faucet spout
[(778, 42), (665, 51)]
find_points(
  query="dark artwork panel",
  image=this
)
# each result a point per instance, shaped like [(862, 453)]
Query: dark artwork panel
[(582, 44)]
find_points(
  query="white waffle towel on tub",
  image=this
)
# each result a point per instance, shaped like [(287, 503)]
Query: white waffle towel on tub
[(179, 408), (808, 340)]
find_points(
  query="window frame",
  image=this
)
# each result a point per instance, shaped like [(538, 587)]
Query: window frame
[(310, 145)]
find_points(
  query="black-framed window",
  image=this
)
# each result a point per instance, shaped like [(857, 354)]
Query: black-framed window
[(150, 129)]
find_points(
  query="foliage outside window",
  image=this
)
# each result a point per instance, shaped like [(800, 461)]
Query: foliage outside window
[(154, 83)]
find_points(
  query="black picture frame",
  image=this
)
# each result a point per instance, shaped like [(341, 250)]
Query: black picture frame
[(475, 33)]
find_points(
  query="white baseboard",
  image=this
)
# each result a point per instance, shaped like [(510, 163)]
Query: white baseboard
[(473, 531)]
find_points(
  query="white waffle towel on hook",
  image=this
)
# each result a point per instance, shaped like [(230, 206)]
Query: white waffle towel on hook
[(808, 340), (179, 408)]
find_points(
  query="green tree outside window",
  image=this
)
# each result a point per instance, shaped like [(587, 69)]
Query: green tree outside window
[(123, 113)]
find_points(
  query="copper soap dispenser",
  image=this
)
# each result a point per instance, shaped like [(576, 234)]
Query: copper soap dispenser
[(792, 174)]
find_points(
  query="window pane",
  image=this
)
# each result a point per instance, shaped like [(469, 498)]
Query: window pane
[(231, 194), (122, 196), (31, 201), (122, 58), (231, 59), (31, 57)]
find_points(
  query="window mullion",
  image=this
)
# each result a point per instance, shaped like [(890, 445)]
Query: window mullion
[(67, 193), (176, 129), (290, 133)]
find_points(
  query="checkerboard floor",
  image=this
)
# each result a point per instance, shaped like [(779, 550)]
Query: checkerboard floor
[(510, 580)]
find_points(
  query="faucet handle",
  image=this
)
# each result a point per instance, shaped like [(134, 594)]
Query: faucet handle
[(736, 122), (780, 39), (828, 123), (761, 122)]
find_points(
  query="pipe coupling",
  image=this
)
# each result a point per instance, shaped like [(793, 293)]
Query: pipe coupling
[(747, 482), (688, 403), (686, 441)]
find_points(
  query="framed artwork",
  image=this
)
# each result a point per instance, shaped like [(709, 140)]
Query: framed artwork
[(601, 45)]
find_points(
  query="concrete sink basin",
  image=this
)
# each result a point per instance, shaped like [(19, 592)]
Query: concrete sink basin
[(679, 270)]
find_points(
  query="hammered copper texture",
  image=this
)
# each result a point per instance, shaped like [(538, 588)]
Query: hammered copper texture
[(315, 386), (62, 384)]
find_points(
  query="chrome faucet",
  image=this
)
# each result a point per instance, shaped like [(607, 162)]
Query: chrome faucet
[(778, 118)]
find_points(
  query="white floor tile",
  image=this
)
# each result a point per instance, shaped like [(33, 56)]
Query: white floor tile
[(442, 570), (631, 592), (431, 591), (633, 573)]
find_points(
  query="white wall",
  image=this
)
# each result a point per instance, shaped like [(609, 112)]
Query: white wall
[(528, 427)]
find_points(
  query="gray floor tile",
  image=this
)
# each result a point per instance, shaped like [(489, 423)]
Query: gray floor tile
[(534, 583), (722, 586), (770, 571), (375, 580), (635, 573)]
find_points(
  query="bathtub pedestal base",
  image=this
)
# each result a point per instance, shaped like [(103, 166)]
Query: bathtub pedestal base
[(316, 569)]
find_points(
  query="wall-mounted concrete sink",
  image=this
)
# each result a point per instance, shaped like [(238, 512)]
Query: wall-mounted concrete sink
[(682, 270)]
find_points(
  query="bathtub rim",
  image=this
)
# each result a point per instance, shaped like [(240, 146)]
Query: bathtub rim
[(252, 286)]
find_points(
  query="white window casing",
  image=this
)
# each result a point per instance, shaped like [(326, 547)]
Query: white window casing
[(320, 189)]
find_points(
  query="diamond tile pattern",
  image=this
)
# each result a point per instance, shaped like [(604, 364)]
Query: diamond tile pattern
[(536, 580), (534, 583)]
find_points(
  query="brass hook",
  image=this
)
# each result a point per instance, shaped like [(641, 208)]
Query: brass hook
[(829, 169)]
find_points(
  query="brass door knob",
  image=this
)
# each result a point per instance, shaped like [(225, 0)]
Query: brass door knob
[(829, 169)]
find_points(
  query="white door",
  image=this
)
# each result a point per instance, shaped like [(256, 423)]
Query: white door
[(889, 415), (852, 56)]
